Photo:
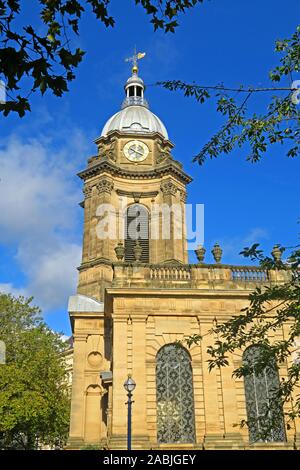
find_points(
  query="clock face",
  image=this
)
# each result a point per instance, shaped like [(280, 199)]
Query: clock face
[(136, 151)]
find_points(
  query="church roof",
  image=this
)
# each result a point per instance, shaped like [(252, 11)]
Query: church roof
[(135, 119), (135, 116)]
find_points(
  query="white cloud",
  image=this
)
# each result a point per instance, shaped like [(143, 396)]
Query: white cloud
[(255, 236), (233, 246), (39, 214), (8, 288), (164, 55), (55, 277)]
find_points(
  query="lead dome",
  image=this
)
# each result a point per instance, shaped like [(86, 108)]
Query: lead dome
[(135, 116)]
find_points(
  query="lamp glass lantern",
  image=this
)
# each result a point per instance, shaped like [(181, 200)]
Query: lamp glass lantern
[(129, 384)]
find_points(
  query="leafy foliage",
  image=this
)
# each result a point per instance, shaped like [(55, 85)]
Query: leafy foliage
[(42, 52), (276, 307), (165, 12), (34, 402), (272, 310), (279, 123)]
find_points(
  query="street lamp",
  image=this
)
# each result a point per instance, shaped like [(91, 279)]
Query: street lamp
[(129, 386)]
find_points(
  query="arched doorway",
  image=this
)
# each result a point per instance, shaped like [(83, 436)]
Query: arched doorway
[(137, 228), (174, 395)]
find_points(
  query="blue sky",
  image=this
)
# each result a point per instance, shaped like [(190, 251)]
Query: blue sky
[(230, 41)]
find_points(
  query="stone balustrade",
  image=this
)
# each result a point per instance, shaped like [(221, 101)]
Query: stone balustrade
[(172, 273), (194, 276), (249, 273)]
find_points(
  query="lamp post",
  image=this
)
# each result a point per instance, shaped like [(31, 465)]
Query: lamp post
[(129, 386)]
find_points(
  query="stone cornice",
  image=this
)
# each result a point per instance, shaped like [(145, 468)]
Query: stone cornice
[(181, 292), (94, 262), (171, 167), (130, 135), (177, 264), (136, 195), (98, 315)]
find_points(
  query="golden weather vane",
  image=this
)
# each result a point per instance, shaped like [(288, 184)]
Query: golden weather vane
[(134, 59)]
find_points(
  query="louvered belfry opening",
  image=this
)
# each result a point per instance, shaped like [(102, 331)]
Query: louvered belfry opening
[(137, 228)]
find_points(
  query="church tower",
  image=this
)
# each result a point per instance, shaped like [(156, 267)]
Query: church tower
[(138, 298), (131, 181)]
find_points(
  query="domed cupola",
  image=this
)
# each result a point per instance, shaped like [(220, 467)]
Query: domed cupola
[(135, 116), (134, 90)]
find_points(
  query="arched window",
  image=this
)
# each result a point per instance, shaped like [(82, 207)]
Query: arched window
[(174, 395), (262, 408), (137, 228)]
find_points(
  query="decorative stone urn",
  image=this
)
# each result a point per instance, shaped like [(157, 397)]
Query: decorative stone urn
[(276, 253), (200, 253), (137, 251), (217, 253), (120, 251)]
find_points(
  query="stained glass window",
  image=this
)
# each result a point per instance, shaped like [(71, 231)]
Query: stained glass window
[(175, 396), (264, 411)]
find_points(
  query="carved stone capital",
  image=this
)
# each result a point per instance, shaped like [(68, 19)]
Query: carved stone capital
[(169, 188), (105, 186), (182, 195), (87, 191)]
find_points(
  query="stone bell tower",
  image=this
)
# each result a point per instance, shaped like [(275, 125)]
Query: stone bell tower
[(133, 168), (132, 181)]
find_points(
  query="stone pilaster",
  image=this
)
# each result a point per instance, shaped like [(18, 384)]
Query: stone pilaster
[(232, 436), (104, 189), (183, 223), (213, 429), (76, 435), (87, 191), (119, 418), (139, 374), (172, 239)]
